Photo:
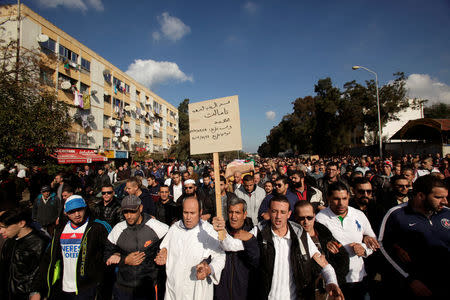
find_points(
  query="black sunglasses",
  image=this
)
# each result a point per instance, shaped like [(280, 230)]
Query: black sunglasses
[(309, 218), (368, 192), (279, 185), (189, 187), (108, 192)]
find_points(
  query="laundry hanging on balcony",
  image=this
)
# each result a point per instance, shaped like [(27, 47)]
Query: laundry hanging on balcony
[(87, 101)]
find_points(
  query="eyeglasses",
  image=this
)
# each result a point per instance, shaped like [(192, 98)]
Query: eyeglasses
[(129, 211), (368, 192), (309, 218), (278, 185), (108, 192)]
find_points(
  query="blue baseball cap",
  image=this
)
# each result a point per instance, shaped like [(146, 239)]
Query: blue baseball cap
[(74, 202)]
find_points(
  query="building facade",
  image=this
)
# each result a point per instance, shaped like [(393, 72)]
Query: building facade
[(113, 113)]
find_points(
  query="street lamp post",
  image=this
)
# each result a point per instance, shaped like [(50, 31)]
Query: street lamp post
[(378, 107)]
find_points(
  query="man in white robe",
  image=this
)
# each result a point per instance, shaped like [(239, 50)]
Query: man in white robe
[(193, 257)]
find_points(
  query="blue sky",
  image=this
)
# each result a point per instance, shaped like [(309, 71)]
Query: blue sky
[(267, 52)]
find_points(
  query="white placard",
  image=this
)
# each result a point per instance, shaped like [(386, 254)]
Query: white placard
[(215, 126)]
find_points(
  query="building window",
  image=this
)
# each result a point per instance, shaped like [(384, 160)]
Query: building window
[(62, 77), (85, 64), (49, 45), (84, 88), (68, 54), (107, 99), (127, 88)]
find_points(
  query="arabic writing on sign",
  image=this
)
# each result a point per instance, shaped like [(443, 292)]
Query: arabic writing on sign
[(215, 124)]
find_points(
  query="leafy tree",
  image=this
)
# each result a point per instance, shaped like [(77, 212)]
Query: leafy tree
[(333, 121), (437, 111), (181, 150), (32, 120)]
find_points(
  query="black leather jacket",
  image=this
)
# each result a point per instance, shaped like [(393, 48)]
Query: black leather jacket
[(19, 266)]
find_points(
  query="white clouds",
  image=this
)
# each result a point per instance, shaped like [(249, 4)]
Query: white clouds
[(270, 115), (74, 4), (97, 4), (172, 28), (424, 87), (151, 73), (251, 7)]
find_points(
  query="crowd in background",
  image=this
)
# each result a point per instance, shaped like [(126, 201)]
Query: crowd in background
[(296, 228)]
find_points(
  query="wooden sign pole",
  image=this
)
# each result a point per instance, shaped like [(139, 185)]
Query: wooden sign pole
[(222, 234)]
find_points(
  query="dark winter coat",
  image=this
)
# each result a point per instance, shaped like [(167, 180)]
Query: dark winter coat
[(90, 263), (236, 280), (20, 272)]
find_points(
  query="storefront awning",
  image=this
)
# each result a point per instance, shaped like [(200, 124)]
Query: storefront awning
[(77, 156), (71, 158)]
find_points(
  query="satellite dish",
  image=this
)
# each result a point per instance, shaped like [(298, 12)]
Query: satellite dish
[(65, 85), (42, 38)]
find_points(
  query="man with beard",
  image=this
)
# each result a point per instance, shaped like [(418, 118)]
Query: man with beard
[(400, 193), (331, 176), (306, 192), (74, 262), (415, 239), (133, 244), (352, 229), (365, 201), (235, 279)]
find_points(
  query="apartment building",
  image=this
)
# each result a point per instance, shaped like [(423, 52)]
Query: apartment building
[(113, 113)]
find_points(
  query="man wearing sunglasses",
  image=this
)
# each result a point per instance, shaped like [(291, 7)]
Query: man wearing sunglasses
[(365, 201), (323, 239), (400, 193), (109, 208)]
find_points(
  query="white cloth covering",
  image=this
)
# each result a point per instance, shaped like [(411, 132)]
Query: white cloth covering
[(186, 248)]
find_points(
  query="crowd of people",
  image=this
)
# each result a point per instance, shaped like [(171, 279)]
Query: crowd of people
[(290, 228)]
